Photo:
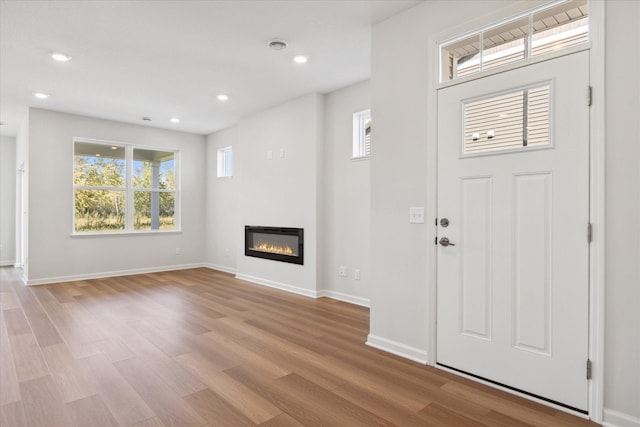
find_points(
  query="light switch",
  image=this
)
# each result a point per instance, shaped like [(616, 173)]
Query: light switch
[(270, 154), (282, 153), (416, 215)]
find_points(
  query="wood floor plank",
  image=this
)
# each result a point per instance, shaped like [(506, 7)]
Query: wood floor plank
[(114, 349), (151, 422), (216, 411), (12, 415), (235, 351), (496, 419), (166, 404), (67, 373), (43, 330), (9, 389), (379, 405), (42, 404), (308, 403), (123, 401), (16, 322), (178, 378), (282, 420), (90, 411), (8, 300), (440, 416), (27, 357), (238, 395)]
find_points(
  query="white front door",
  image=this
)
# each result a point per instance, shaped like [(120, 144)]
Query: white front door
[(513, 282)]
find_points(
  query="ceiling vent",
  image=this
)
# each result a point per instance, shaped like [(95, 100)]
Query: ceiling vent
[(277, 44)]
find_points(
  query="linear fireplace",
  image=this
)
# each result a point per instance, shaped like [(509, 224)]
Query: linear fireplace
[(276, 243)]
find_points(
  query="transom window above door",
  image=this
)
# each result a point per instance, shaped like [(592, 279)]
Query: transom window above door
[(551, 28)]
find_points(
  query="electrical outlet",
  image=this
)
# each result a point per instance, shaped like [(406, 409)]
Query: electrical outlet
[(356, 274), (342, 272), (282, 153), (177, 251), (270, 154), (416, 215)]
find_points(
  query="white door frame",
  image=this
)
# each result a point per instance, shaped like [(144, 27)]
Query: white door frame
[(596, 190)]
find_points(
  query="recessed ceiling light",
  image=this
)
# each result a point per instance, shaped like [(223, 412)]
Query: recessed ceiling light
[(114, 148), (41, 95), (174, 120), (60, 57), (277, 44), (222, 97), (98, 154), (300, 59)]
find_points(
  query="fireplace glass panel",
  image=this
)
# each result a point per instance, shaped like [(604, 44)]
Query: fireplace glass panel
[(275, 243)]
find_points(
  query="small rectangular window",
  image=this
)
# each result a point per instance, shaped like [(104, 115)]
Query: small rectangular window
[(546, 29), (225, 162), (511, 121), (362, 134), (120, 188)]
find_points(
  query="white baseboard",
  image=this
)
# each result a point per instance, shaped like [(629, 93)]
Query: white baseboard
[(618, 419), (364, 302), (220, 268), (106, 274), (7, 263), (277, 285), (399, 349)]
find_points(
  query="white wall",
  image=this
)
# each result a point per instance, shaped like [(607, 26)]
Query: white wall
[(222, 244), (403, 100), (55, 255), (622, 287), (347, 198), (280, 192), (7, 200)]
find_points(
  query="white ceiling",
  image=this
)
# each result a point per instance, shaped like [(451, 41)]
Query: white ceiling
[(166, 59)]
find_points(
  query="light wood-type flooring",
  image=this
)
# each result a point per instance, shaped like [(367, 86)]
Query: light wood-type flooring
[(200, 348)]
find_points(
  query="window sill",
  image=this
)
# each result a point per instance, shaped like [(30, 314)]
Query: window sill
[(361, 158), (125, 233)]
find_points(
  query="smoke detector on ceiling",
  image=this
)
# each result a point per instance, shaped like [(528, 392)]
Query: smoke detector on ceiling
[(277, 44)]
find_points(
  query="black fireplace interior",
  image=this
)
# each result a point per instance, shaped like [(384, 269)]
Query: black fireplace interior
[(276, 243)]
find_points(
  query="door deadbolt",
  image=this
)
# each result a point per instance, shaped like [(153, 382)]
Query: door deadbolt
[(444, 222), (445, 242)]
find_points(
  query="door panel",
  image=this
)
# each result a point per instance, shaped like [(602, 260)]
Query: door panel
[(513, 287)]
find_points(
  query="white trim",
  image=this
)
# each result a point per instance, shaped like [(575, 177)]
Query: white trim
[(515, 65), (618, 419), (412, 353), (597, 210), (514, 392), (7, 263), (121, 233), (103, 275), (222, 268), (277, 285), (363, 302)]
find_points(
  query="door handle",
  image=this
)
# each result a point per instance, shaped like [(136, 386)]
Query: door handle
[(445, 242)]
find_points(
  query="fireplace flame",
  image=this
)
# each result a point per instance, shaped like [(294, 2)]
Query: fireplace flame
[(274, 249)]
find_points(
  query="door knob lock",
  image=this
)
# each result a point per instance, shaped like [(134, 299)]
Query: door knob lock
[(445, 242)]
